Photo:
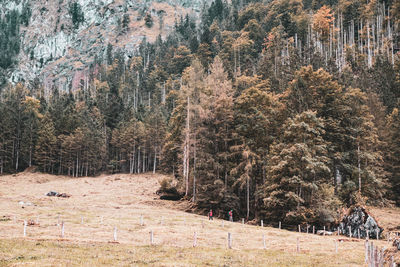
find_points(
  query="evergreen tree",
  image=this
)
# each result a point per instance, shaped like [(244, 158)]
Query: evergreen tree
[(298, 166), (258, 113), (393, 155), (33, 115), (46, 145)]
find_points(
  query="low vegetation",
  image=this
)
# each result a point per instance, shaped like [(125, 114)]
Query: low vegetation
[(97, 205)]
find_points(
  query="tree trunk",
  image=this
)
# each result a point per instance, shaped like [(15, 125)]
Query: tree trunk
[(359, 168), (194, 174), (144, 161), (17, 160), (60, 167), (138, 162), (187, 149), (155, 160), (77, 165), (248, 197)]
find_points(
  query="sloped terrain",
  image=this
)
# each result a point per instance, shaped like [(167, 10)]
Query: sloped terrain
[(58, 52), (98, 205)]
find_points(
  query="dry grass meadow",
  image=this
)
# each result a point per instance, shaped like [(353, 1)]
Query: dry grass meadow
[(98, 205)]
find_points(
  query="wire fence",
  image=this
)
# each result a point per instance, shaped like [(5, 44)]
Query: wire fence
[(165, 231)]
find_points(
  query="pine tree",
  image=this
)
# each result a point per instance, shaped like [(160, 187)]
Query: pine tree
[(298, 166), (257, 118), (33, 115), (393, 156), (361, 158), (213, 141), (46, 145), (16, 111)]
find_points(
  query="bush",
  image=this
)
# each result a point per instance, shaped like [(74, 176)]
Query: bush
[(75, 10), (148, 20)]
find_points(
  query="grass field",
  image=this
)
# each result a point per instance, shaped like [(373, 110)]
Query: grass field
[(99, 205)]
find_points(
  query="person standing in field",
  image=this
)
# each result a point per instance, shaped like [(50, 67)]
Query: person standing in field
[(210, 215), (230, 215)]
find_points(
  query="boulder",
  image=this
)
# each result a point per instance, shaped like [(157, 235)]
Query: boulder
[(396, 243), (357, 219), (56, 194), (322, 232)]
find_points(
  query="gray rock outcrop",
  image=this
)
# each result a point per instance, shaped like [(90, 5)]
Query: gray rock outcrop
[(359, 221)]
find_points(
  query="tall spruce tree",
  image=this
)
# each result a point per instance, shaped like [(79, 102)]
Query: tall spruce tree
[(393, 155), (297, 167)]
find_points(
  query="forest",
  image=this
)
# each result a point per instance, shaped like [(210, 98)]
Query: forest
[(279, 110)]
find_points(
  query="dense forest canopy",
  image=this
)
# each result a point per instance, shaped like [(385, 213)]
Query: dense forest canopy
[(280, 110)]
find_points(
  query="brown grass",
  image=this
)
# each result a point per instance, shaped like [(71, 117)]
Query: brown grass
[(121, 200)]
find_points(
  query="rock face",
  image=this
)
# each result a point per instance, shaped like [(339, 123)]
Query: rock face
[(396, 243), (55, 49), (359, 220)]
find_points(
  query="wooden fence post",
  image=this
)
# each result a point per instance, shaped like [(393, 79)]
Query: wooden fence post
[(313, 229), (264, 242), (366, 251), (151, 238), (377, 234), (307, 228), (229, 241), (382, 261), (242, 220), (367, 234), (115, 233), (25, 228), (350, 231), (262, 223), (195, 239), (336, 246), (280, 225), (324, 230), (62, 229), (371, 251), (299, 228)]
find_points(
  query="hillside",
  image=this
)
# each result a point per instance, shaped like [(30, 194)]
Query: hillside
[(59, 49), (281, 110), (97, 205)]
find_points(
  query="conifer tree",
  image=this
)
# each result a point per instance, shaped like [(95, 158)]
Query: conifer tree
[(298, 166), (46, 145), (33, 115), (393, 155), (258, 113), (214, 139)]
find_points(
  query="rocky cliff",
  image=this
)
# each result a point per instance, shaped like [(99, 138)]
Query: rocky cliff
[(63, 38)]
